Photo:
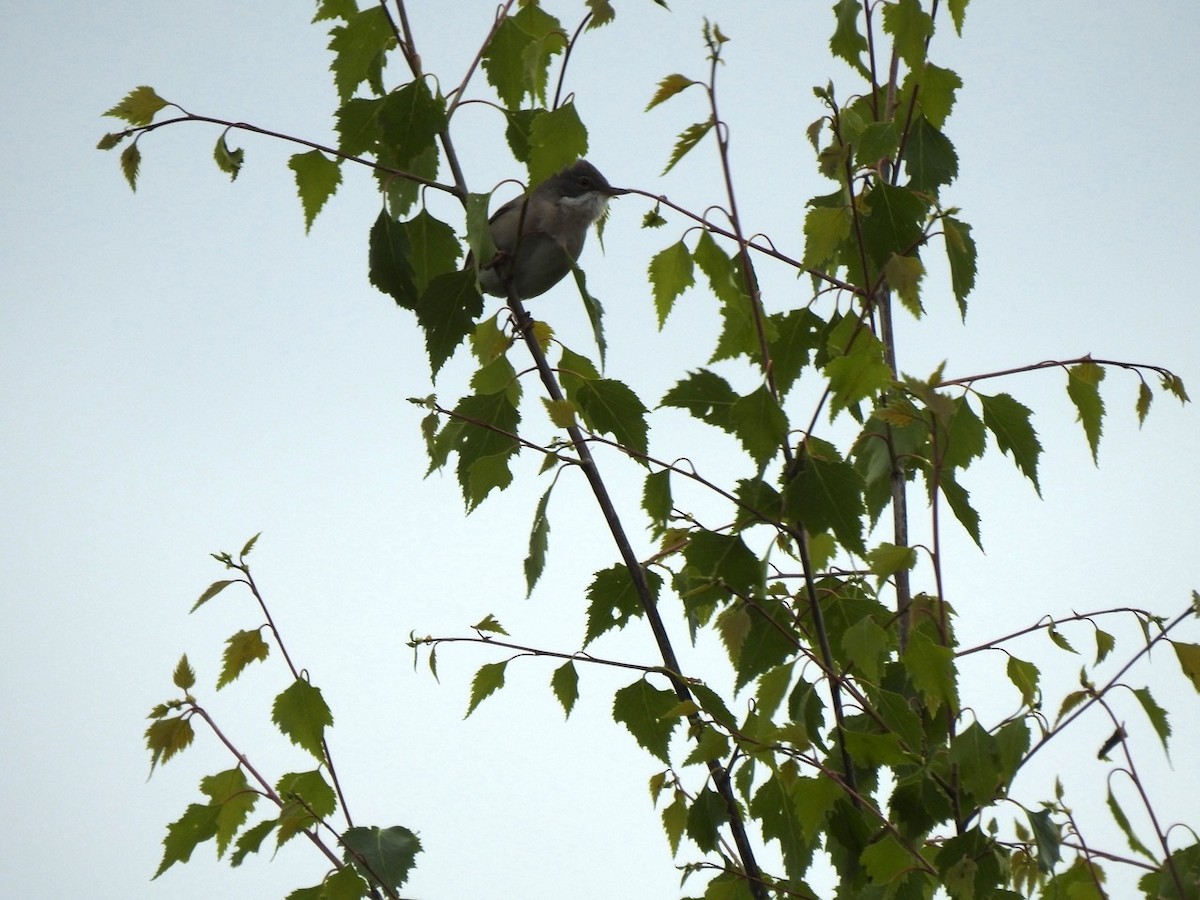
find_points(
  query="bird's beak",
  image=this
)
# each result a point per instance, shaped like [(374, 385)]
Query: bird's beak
[(611, 191)]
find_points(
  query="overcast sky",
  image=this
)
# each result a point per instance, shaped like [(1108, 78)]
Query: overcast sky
[(183, 368)]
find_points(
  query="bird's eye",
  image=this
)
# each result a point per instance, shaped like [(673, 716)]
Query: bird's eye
[(585, 182)]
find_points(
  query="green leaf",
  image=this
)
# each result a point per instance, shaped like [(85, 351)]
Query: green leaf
[(640, 707), (565, 684), (557, 139), (613, 600), (198, 824), (1145, 397), (770, 640), (688, 138), (358, 127), (674, 819), (707, 396), (250, 840), (342, 884), (774, 806), (959, 500), (390, 261), (307, 799), (609, 406), (410, 119), (904, 274), (877, 141), (937, 94), (1009, 421), (826, 494), (656, 499), (796, 335), (602, 13), (244, 648), (1049, 842), (1182, 864), (359, 49), (885, 860), (671, 273), (547, 39), (669, 87), (1025, 676), (488, 680), (139, 106), (184, 676), (866, 644), (489, 623), (857, 368), (1156, 714), (383, 855), (131, 160), (706, 815), (847, 43), (316, 180), (911, 28), (958, 10), (539, 542), (503, 63), (887, 559), (301, 714), (433, 248), (166, 737), (960, 251), (894, 222), (975, 754), (113, 139), (759, 423), (931, 668), (929, 157), (825, 230), (1083, 389), (717, 564), (228, 161), (1118, 815), (249, 545), (1189, 661), (446, 311), (1104, 645)]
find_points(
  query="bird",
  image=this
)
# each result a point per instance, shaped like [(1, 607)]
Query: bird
[(539, 235)]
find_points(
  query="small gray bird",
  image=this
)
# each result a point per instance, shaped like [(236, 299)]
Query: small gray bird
[(538, 235)]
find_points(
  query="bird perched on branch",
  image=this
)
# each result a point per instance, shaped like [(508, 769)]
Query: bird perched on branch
[(538, 236)]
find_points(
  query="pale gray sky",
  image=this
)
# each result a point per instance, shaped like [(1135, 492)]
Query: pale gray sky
[(183, 367)]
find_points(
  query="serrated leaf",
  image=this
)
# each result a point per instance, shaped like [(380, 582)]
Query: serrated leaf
[(317, 178), (1156, 714), (243, 648), (602, 13), (1083, 389), (847, 43), (410, 119), (961, 253), (1059, 641), (301, 714), (1104, 645), (131, 160), (904, 274), (565, 684), (706, 815), (656, 499), (689, 138), (887, 559), (1047, 838), (796, 336), (184, 676), (539, 542), (1025, 676), (1189, 661), (674, 818), (857, 369), (1145, 397), (911, 28), (669, 87), (488, 680), (390, 266), (230, 791), (613, 600), (113, 139), (929, 157), (211, 591), (759, 423), (432, 247), (198, 824), (384, 856), (706, 395), (894, 222), (931, 668), (228, 161), (825, 228), (342, 884), (959, 500), (866, 644), (138, 107), (885, 860), (1118, 815), (640, 707), (556, 139), (609, 406), (446, 311), (489, 623), (1009, 421), (671, 273), (166, 737), (826, 494), (250, 840), (938, 88), (359, 49)]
